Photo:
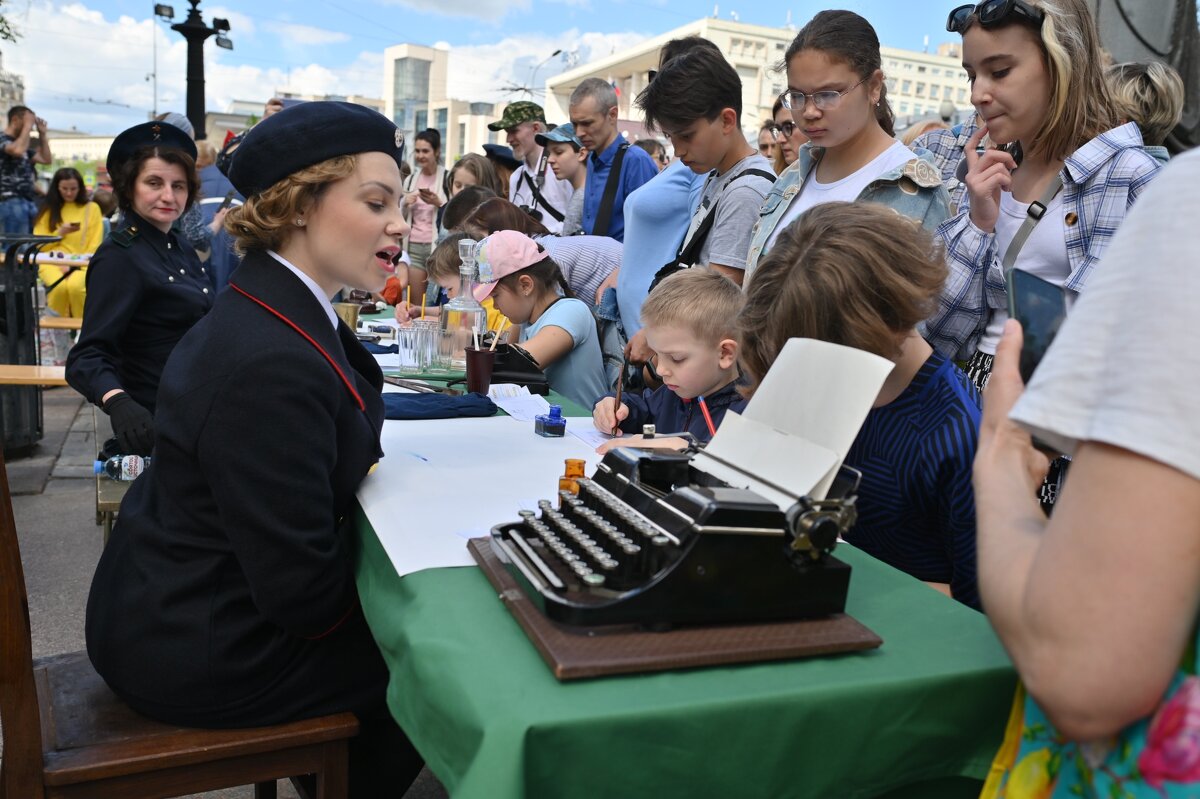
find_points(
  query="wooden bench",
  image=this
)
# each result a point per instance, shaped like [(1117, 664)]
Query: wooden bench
[(12, 374), (60, 323)]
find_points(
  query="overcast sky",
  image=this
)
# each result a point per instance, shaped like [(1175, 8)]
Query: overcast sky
[(86, 64)]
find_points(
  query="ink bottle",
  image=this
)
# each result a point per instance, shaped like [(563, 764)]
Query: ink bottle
[(551, 425), (573, 469)]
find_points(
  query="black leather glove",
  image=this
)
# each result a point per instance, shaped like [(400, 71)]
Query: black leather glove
[(133, 424)]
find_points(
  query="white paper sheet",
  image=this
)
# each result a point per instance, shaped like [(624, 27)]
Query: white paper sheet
[(582, 428), (523, 408), (816, 393), (501, 390), (446, 480)]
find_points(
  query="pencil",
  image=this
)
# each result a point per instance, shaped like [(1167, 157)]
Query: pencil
[(712, 431), (616, 431)]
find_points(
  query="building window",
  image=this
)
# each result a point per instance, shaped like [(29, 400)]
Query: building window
[(947, 92), (962, 95), (935, 71), (908, 66), (906, 87), (920, 89), (921, 68), (891, 84), (462, 137), (903, 108)]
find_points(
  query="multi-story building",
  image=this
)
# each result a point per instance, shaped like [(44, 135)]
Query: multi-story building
[(415, 98), (12, 88), (918, 83), (242, 114)]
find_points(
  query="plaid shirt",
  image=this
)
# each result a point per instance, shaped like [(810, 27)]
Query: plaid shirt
[(947, 148), (1101, 180)]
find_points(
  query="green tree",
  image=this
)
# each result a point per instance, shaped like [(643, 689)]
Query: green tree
[(7, 32)]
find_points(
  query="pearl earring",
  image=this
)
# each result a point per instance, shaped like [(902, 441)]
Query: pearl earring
[(299, 222)]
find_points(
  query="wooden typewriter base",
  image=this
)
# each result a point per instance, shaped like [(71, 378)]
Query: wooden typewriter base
[(577, 652)]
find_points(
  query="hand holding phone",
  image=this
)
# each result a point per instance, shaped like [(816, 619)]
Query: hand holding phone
[(429, 196), (1041, 308), (228, 201)]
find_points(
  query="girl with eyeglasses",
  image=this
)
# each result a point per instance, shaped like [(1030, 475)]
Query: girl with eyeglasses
[(837, 98), (788, 137), (1050, 137)]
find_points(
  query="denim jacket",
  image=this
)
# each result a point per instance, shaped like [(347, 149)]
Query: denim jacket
[(1101, 180), (914, 190)]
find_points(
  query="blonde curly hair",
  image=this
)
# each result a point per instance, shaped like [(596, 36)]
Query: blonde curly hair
[(267, 218)]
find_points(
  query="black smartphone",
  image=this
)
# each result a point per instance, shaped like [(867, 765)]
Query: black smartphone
[(1040, 307), (228, 201)]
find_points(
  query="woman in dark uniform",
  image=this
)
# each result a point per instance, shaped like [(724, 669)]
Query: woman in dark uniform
[(226, 595), (145, 285)]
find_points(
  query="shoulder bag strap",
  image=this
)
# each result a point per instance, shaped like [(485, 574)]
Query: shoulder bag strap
[(604, 215), (540, 200), (1037, 210)]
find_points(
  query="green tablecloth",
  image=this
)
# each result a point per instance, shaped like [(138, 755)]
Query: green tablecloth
[(920, 717)]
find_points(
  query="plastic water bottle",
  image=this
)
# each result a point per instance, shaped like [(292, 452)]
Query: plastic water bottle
[(124, 468)]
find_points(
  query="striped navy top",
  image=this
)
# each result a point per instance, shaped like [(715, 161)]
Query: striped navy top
[(916, 509)]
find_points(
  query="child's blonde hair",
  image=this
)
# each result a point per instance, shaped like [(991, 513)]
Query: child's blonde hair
[(1149, 93), (1081, 103), (699, 300), (856, 274)]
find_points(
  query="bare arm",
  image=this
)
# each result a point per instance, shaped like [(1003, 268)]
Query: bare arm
[(43, 153), (20, 145), (549, 344), (1096, 604), (730, 272)]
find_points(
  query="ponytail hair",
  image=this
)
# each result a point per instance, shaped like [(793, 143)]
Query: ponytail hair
[(850, 38)]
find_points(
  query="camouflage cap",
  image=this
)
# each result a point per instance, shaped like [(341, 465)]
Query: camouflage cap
[(518, 112)]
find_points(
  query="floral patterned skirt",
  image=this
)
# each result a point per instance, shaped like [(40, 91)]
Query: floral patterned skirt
[(1158, 756)]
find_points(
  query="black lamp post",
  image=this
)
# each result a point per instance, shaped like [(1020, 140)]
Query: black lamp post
[(195, 31)]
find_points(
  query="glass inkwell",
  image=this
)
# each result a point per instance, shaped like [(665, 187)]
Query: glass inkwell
[(463, 316)]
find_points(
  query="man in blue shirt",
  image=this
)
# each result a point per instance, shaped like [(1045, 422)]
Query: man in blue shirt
[(593, 110)]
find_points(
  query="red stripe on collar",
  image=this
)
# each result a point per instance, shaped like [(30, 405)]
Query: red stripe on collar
[(362, 406)]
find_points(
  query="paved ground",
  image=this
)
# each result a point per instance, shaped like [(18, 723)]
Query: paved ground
[(54, 502)]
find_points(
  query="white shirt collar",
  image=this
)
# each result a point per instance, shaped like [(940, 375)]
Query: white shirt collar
[(312, 286)]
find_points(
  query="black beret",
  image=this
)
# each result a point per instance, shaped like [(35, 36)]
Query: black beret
[(157, 134), (502, 154), (307, 134)]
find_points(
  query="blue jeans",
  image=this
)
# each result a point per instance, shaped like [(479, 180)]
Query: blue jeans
[(16, 216)]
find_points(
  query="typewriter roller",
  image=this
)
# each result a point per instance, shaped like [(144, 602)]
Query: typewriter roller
[(651, 540)]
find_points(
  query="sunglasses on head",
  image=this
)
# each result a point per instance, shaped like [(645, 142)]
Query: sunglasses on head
[(994, 12)]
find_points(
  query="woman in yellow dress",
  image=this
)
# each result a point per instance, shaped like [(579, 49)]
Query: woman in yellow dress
[(68, 213)]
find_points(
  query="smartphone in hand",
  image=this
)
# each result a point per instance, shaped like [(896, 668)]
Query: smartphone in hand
[(1040, 307)]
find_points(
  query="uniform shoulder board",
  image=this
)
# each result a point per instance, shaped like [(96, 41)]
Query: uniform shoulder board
[(125, 236), (923, 173)]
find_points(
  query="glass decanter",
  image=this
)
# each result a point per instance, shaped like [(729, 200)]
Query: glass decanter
[(463, 317)]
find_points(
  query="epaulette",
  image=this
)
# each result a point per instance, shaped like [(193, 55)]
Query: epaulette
[(923, 173), (125, 236)]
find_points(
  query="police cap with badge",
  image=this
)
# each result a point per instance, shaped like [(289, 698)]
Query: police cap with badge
[(308, 134), (147, 134)]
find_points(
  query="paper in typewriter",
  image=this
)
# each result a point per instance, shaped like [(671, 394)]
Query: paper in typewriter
[(800, 424)]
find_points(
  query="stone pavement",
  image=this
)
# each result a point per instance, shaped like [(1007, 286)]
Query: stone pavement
[(54, 503)]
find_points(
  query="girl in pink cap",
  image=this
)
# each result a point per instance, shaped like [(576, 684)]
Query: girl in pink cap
[(557, 330)]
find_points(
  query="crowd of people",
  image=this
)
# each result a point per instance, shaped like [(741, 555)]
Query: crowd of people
[(645, 286)]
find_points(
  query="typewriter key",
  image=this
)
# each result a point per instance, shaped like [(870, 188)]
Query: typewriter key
[(594, 580)]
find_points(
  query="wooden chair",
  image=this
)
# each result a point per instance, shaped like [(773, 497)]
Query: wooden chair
[(67, 736)]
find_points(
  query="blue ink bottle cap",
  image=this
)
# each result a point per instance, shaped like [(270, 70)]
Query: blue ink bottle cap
[(551, 425)]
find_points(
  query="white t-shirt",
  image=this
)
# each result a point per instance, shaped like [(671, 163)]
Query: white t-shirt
[(554, 191), (814, 192), (1044, 254), (1118, 372)]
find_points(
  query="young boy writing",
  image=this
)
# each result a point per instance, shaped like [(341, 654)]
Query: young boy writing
[(689, 321)]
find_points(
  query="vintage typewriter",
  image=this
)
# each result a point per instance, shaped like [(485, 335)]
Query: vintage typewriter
[(652, 540)]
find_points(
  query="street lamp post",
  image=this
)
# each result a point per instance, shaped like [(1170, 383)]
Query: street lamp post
[(196, 32), (166, 13), (533, 74)]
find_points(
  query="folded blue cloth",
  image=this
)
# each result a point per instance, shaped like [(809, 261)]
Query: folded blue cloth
[(380, 349), (436, 406)]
